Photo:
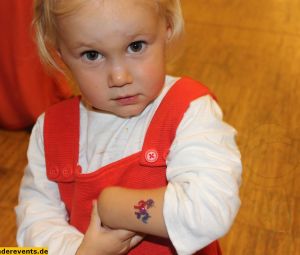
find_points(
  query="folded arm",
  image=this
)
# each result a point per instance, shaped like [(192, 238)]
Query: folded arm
[(132, 209), (201, 199)]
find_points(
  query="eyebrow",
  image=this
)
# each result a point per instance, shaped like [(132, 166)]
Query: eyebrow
[(93, 43)]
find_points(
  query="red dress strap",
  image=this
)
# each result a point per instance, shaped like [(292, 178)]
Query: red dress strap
[(61, 139), (162, 129)]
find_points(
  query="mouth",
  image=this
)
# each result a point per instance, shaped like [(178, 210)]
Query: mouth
[(127, 100)]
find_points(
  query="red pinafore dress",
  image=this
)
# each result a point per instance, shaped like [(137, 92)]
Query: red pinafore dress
[(142, 170)]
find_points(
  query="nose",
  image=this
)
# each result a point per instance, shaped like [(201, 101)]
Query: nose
[(119, 75)]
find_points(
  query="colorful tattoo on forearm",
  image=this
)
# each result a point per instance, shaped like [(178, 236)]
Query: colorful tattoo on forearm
[(141, 207)]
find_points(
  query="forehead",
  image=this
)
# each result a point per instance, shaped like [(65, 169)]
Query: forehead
[(91, 17), (67, 7)]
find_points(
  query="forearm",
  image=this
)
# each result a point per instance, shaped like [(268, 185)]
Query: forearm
[(42, 218), (116, 210)]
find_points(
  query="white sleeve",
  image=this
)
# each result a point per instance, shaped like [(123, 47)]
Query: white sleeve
[(204, 174), (41, 215)]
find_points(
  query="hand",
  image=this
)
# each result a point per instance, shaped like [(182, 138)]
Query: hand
[(99, 240)]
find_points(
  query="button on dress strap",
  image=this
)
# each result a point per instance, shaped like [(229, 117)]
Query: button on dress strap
[(61, 140), (162, 129)]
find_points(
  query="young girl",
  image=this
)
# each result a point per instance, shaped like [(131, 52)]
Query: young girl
[(141, 163)]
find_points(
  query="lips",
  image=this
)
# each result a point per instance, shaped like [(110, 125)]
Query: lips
[(127, 100)]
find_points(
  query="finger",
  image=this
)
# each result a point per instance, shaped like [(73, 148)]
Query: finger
[(95, 221), (124, 234), (136, 240), (106, 227)]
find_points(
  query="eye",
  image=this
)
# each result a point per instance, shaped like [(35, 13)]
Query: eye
[(137, 46), (91, 55)]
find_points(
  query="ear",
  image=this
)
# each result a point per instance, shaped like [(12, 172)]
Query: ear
[(59, 56), (56, 47), (169, 33), (58, 52)]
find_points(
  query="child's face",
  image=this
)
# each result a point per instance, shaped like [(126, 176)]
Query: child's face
[(115, 50)]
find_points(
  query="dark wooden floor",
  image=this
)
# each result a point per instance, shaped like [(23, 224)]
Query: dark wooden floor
[(248, 53)]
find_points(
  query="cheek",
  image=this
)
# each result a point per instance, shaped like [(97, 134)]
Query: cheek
[(153, 81), (89, 86), (94, 96), (154, 67), (152, 75), (86, 80)]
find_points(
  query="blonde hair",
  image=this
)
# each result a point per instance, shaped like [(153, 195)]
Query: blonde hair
[(46, 13)]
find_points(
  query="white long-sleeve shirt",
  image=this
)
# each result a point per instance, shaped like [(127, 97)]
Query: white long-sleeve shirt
[(203, 173)]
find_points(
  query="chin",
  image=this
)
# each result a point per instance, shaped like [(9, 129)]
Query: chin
[(129, 113)]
